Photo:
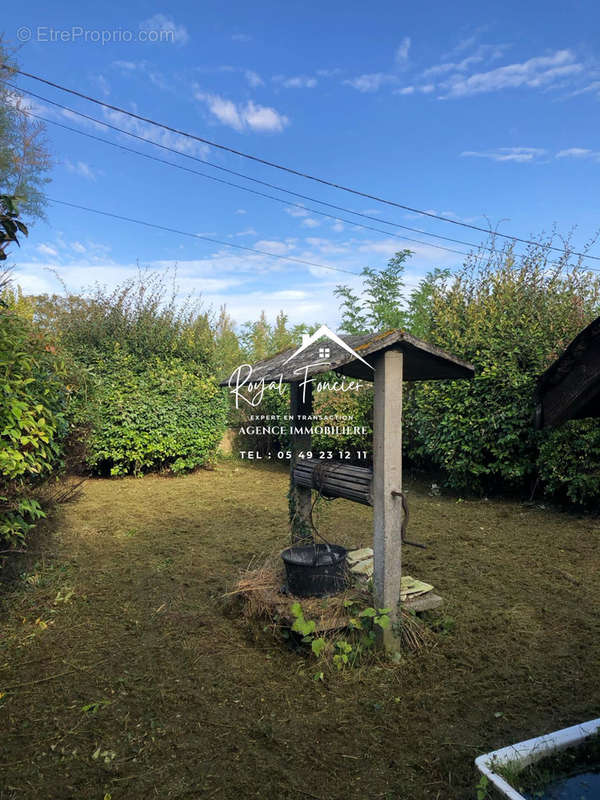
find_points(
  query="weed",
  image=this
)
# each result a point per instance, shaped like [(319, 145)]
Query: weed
[(482, 788)]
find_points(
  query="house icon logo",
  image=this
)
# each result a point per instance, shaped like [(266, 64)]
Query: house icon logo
[(324, 350)]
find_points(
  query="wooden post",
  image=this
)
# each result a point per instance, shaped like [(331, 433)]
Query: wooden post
[(387, 477), (300, 497)]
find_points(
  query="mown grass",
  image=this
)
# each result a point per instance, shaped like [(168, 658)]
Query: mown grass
[(143, 683)]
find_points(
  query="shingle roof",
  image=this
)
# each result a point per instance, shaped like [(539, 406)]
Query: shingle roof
[(422, 361), (570, 387)]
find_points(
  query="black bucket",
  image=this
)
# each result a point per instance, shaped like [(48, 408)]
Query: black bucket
[(315, 570)]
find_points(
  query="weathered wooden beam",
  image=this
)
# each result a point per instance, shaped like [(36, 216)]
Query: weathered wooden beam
[(300, 497), (387, 478), (335, 479)]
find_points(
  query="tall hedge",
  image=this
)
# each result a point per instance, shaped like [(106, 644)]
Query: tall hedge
[(157, 415), (33, 421), (511, 317), (143, 361)]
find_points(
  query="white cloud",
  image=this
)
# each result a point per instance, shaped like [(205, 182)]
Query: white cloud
[(591, 87), (425, 88), (46, 250), (78, 247), (176, 34), (240, 117), (246, 282), (574, 152), (241, 211), (143, 68), (338, 226), (579, 152), (296, 82), (402, 50), (103, 84), (325, 245), (485, 52), (263, 118), (224, 110), (172, 140), (125, 66), (253, 78), (273, 246), (309, 222), (534, 73), (247, 232), (329, 73), (294, 211), (80, 168), (517, 154), (450, 66), (371, 82)]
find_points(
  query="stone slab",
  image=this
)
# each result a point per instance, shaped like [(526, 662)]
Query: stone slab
[(425, 602)]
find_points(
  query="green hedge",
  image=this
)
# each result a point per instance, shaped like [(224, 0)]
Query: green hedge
[(569, 462), (33, 422), (152, 416), (511, 317)]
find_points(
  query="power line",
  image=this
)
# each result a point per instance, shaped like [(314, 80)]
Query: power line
[(380, 220), (238, 186), (199, 236), (211, 239), (247, 177), (282, 167)]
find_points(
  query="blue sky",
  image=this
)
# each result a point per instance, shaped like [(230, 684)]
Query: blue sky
[(475, 111)]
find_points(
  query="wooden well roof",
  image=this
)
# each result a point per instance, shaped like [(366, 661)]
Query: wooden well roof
[(422, 361), (570, 387)]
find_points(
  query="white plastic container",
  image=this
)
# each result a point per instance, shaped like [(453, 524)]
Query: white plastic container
[(525, 753)]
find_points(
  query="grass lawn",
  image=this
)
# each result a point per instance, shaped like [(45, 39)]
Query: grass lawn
[(125, 675)]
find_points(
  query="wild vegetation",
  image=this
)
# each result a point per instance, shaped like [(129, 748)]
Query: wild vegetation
[(125, 672), (510, 315), (24, 156), (135, 376)]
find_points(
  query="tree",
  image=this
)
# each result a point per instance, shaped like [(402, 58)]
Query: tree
[(421, 300), (256, 338), (228, 354), (10, 227), (24, 157), (510, 314), (382, 305), (282, 338)]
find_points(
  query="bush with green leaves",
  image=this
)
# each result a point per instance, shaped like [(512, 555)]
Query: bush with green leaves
[(348, 409), (569, 462), (510, 316), (155, 415), (33, 421), (344, 652), (142, 360)]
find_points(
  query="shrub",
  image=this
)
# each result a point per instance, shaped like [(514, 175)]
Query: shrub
[(510, 316), (33, 422), (357, 406), (143, 316), (159, 415), (141, 360), (569, 462)]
